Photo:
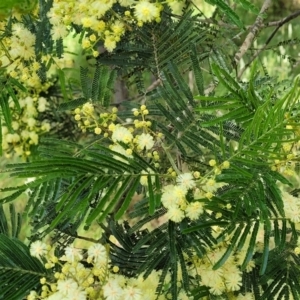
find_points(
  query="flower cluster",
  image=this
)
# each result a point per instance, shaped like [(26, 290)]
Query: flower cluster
[(291, 207), (187, 197), (287, 163), (125, 138), (22, 71), (17, 55), (26, 127), (75, 275), (104, 21), (21, 43), (88, 275), (228, 278), (88, 119), (185, 194), (174, 199)]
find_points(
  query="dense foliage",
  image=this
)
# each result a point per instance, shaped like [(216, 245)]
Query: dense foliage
[(160, 155)]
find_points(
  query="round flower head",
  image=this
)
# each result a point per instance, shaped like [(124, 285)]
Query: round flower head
[(118, 28), (169, 198), (145, 140), (233, 281), (112, 290), (42, 104), (217, 287), (186, 180), (146, 11), (110, 43), (291, 207), (97, 252), (59, 32), (175, 214), (212, 277), (179, 192), (67, 287), (132, 293), (194, 210), (73, 254), (38, 249), (121, 134), (88, 108)]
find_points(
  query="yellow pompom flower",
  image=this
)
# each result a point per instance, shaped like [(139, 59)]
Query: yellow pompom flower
[(212, 162), (175, 214), (209, 195), (226, 164), (121, 134), (145, 140), (77, 117), (92, 37), (194, 210), (146, 11), (38, 249), (95, 53), (196, 174), (97, 130), (110, 43), (116, 269), (88, 108), (86, 22), (118, 28), (86, 44), (100, 26), (77, 110), (186, 181), (297, 250), (129, 151)]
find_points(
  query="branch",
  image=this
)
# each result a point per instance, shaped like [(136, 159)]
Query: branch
[(278, 24), (154, 84), (248, 27), (284, 20), (253, 32)]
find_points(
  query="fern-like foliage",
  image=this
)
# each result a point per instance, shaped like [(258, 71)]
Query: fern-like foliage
[(154, 46), (245, 124), (76, 183), (286, 275), (10, 226), (163, 249), (19, 267), (97, 88), (9, 88), (65, 188)]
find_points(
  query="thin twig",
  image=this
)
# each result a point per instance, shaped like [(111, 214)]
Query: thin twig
[(87, 239), (284, 20), (231, 26), (258, 24), (153, 85), (279, 24)]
